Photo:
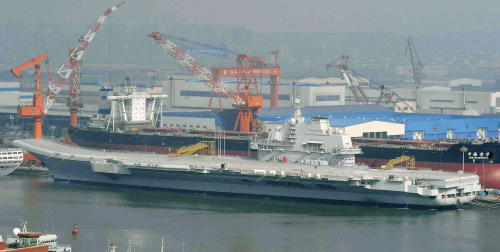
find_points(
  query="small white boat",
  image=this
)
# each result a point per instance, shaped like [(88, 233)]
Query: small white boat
[(10, 159), (42, 239)]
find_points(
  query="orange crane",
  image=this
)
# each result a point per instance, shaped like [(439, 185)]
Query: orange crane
[(40, 107), (247, 97), (33, 109), (246, 88), (258, 68)]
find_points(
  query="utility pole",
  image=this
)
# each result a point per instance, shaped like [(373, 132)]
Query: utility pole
[(463, 150)]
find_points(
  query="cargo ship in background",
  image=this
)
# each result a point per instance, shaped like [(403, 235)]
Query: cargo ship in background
[(163, 141), (127, 120), (480, 157)]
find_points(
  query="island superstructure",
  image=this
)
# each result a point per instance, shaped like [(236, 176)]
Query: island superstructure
[(314, 143)]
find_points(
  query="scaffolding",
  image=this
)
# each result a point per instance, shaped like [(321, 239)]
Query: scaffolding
[(410, 162), (206, 148)]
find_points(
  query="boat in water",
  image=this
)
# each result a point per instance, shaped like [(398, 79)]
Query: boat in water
[(298, 161), (10, 159), (23, 237)]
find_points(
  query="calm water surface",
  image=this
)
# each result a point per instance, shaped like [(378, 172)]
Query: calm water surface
[(206, 223)]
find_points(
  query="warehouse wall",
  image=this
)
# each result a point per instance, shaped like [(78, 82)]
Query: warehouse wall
[(179, 122), (9, 93), (392, 130), (441, 100), (186, 94)]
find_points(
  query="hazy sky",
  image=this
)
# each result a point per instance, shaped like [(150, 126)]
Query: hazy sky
[(401, 17)]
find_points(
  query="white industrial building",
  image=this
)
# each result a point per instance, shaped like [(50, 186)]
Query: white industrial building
[(190, 121), (358, 128), (196, 95), (9, 93), (466, 83), (439, 100), (372, 129)]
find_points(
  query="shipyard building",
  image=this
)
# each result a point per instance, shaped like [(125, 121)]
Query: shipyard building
[(194, 94), (452, 111), (359, 121)]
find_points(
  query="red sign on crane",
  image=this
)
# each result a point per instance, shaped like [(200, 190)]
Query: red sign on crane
[(258, 68)]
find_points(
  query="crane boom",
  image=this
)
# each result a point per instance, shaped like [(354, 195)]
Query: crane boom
[(33, 62), (416, 64), (197, 69), (69, 65), (34, 109), (356, 90)]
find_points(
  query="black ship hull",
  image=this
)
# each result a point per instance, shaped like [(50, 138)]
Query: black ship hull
[(482, 159), (158, 143)]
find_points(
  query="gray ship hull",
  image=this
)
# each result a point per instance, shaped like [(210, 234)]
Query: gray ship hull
[(238, 176), (239, 185)]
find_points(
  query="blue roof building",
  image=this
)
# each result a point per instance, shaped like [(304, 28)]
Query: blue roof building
[(430, 126)]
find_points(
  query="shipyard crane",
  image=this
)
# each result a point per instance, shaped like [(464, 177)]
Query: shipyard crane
[(247, 98), (353, 84), (74, 102), (275, 53), (39, 108), (259, 67), (33, 109), (246, 88), (386, 94), (416, 65)]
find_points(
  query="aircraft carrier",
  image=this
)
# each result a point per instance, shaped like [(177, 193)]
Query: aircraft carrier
[(237, 176), (298, 161)]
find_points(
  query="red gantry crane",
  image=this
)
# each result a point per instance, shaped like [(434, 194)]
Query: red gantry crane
[(258, 68), (38, 109), (247, 97)]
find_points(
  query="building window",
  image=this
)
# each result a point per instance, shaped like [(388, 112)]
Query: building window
[(382, 134), (451, 101), (204, 127), (196, 93), (327, 97), (281, 97), (197, 126)]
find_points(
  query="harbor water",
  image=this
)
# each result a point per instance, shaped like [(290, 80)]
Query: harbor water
[(196, 222)]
